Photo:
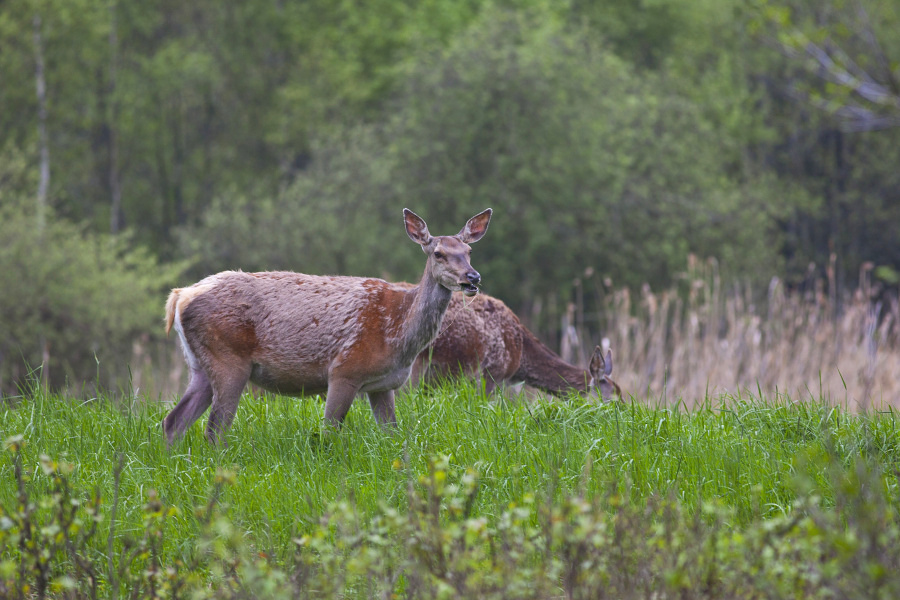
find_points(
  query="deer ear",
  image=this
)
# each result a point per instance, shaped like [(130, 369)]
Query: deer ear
[(608, 368), (598, 368), (416, 228), (475, 227)]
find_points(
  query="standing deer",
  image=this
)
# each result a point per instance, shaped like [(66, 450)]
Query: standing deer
[(299, 334), (483, 338)]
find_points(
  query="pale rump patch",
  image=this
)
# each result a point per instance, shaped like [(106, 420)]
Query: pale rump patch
[(178, 300), (192, 361), (187, 295)]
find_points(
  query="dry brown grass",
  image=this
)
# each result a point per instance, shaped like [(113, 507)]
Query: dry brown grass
[(699, 338)]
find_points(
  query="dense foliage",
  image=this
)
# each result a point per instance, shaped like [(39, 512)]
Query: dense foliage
[(614, 137), (72, 299)]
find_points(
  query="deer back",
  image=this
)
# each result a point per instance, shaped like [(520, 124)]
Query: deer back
[(292, 327)]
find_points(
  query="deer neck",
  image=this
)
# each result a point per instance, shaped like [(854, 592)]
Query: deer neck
[(540, 367), (429, 302)]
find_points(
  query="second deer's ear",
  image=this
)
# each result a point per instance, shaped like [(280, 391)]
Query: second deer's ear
[(416, 228), (475, 227), (600, 368)]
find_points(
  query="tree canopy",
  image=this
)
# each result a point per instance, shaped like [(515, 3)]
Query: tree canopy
[(612, 138)]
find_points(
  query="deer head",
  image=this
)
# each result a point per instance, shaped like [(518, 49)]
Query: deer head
[(448, 255), (600, 370)]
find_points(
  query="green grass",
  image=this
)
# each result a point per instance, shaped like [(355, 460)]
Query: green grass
[(743, 453), (752, 457)]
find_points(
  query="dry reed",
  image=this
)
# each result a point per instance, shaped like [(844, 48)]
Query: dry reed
[(699, 339)]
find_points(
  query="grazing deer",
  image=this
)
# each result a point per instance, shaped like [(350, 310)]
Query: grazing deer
[(301, 334), (483, 338)]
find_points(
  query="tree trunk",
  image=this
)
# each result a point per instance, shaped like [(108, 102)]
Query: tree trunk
[(44, 182), (115, 217), (41, 85), (45, 363)]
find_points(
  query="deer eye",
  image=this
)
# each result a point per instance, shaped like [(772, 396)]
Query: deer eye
[(439, 255)]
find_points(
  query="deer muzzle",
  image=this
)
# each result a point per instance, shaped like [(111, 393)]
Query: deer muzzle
[(470, 287)]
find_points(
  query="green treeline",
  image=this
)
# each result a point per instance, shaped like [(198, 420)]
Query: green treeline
[(146, 144)]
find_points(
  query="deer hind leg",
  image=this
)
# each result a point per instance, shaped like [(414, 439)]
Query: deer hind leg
[(383, 408), (194, 403), (228, 385)]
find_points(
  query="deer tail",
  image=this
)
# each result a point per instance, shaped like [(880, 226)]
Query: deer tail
[(170, 309)]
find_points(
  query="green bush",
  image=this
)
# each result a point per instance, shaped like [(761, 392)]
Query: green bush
[(586, 162), (75, 297)]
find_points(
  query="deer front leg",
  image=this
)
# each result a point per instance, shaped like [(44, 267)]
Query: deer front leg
[(337, 403), (490, 384), (383, 408), (417, 371)]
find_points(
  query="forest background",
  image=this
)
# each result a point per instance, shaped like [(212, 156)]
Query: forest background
[(688, 178)]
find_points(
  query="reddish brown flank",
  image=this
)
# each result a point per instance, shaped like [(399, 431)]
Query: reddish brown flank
[(305, 334)]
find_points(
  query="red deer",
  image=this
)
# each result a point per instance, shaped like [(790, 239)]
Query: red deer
[(483, 338), (299, 334)]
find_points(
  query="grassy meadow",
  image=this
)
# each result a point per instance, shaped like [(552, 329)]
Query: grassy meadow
[(470, 497)]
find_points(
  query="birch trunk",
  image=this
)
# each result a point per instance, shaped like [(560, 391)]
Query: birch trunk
[(44, 182), (41, 85), (115, 219)]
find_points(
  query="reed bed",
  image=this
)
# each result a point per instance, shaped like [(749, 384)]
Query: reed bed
[(701, 338)]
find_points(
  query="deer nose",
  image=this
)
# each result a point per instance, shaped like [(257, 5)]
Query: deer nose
[(473, 277)]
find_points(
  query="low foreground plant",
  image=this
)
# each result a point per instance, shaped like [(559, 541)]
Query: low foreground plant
[(576, 547)]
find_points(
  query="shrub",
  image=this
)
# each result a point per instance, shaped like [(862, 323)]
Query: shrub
[(72, 301), (578, 547)]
